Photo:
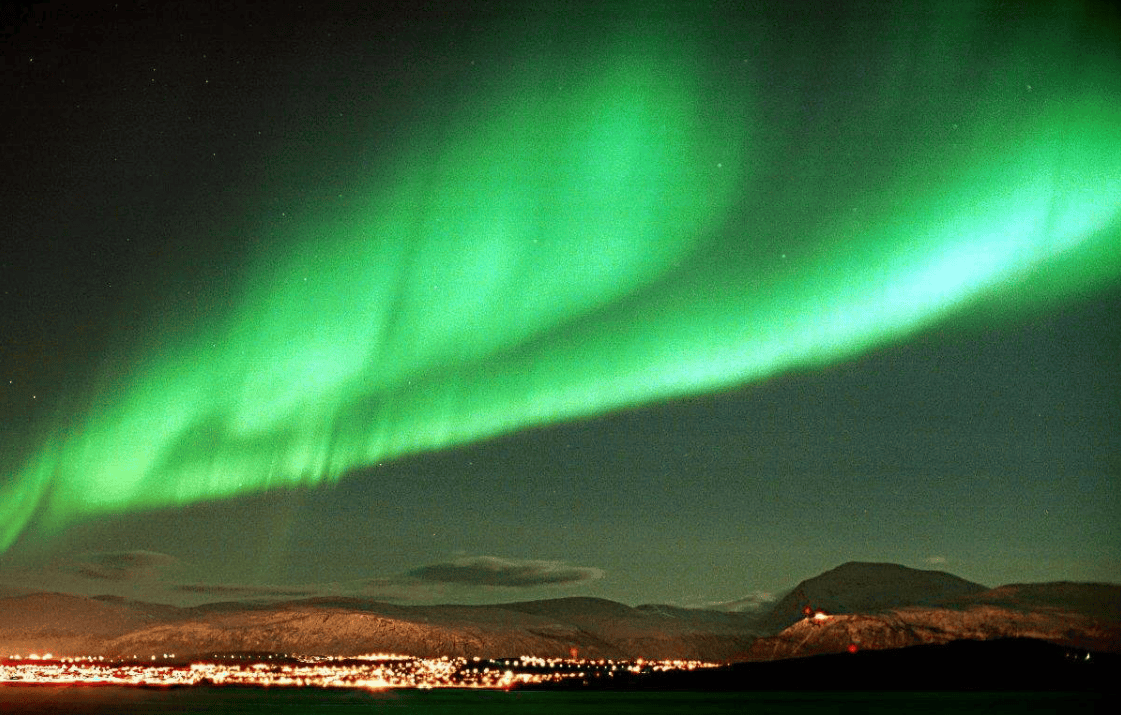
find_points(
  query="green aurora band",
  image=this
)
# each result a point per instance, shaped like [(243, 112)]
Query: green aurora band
[(546, 254)]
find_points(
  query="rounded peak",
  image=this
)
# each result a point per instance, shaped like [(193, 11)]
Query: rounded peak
[(886, 571), (874, 566), (869, 587)]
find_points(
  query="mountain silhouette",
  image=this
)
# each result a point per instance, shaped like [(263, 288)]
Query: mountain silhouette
[(862, 606), (862, 587)]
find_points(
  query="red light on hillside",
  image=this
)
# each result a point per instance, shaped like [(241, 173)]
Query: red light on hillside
[(852, 648)]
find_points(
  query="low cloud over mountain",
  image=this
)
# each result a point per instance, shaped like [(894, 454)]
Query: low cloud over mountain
[(122, 565), (505, 573), (754, 602)]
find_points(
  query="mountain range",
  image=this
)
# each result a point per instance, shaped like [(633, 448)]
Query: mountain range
[(856, 606)]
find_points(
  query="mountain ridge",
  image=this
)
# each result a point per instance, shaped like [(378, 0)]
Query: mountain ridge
[(861, 604)]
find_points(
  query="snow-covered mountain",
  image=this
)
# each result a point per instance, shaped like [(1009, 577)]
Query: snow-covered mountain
[(856, 605), (860, 587)]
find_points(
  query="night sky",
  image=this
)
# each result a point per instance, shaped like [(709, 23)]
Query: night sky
[(676, 302)]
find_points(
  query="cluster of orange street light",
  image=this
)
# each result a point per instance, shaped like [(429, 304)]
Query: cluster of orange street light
[(371, 672)]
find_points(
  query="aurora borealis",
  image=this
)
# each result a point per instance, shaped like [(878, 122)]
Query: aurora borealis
[(564, 218)]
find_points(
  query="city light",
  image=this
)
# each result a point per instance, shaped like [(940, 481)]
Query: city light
[(369, 672)]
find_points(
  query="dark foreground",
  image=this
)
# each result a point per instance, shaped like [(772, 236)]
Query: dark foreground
[(113, 700)]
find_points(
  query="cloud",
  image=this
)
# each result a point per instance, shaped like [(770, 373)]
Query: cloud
[(935, 560), (752, 602), (122, 565), (505, 573), (235, 590)]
